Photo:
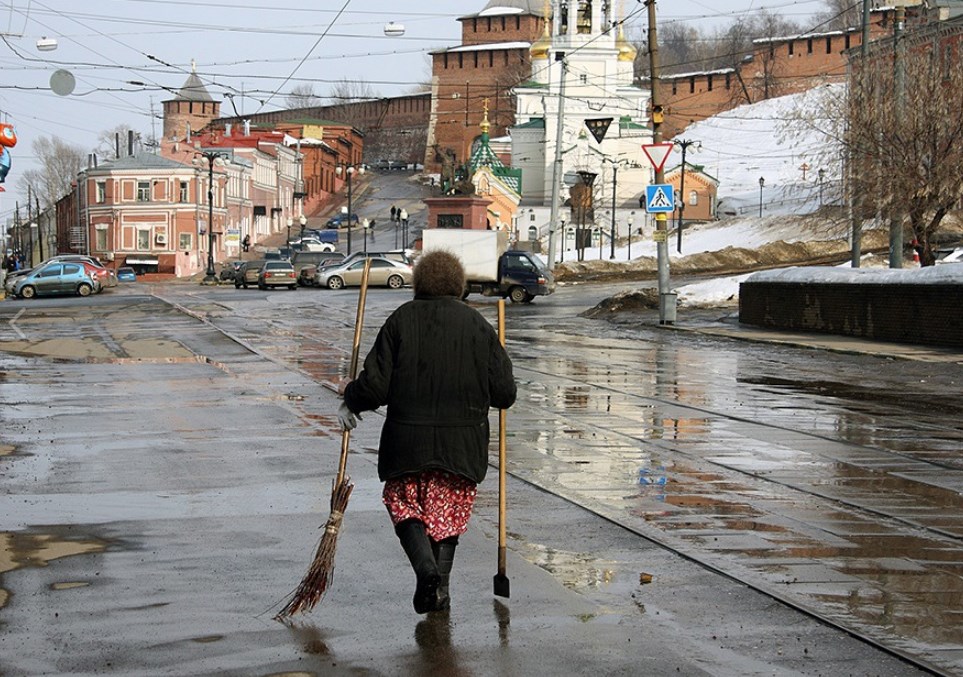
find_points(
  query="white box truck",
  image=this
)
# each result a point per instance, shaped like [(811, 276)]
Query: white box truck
[(491, 268)]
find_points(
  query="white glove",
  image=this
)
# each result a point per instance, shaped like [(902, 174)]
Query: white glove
[(347, 418)]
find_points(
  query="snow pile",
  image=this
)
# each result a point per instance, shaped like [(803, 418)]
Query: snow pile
[(949, 274)]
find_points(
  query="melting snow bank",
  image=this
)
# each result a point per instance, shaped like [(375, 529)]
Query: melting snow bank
[(948, 274)]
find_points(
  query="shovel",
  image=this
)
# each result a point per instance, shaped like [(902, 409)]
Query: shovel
[(502, 587)]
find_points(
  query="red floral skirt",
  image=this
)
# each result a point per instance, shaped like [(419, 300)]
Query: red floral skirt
[(441, 500)]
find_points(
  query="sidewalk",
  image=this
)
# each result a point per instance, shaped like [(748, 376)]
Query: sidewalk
[(157, 532)]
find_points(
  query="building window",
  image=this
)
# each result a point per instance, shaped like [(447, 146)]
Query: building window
[(692, 85), (100, 240), (792, 48), (847, 41), (101, 192), (143, 239), (583, 79), (675, 87), (829, 45), (693, 198), (184, 241), (185, 192), (728, 80), (532, 233), (709, 83), (809, 46), (474, 25), (143, 191), (584, 18)]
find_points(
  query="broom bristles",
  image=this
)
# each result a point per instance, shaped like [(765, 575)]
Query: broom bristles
[(321, 572)]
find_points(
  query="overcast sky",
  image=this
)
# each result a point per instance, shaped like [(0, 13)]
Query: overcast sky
[(249, 52)]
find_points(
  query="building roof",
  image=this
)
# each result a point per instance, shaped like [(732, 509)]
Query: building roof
[(534, 123), (142, 160), (193, 90), (505, 7)]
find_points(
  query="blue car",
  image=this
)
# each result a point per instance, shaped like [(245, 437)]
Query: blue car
[(56, 278), (126, 274), (341, 221)]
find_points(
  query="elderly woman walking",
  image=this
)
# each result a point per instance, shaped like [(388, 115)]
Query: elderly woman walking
[(438, 366)]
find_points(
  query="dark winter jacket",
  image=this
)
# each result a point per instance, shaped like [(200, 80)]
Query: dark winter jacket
[(439, 367)]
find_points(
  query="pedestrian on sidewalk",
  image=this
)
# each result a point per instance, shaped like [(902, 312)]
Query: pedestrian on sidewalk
[(438, 366), (394, 211)]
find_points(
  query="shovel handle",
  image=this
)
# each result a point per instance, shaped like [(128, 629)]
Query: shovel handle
[(353, 369), (502, 418)]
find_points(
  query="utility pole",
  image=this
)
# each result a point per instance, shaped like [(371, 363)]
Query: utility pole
[(896, 218), (557, 164), (666, 298), (856, 205)]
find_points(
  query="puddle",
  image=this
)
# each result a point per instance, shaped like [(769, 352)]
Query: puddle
[(26, 549), (576, 571)]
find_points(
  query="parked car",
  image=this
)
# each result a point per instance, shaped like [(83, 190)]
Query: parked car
[(126, 274), (13, 277), (384, 272), (309, 244), (247, 273), (341, 221), (56, 278), (105, 276), (277, 274), (229, 270), (949, 255), (306, 264)]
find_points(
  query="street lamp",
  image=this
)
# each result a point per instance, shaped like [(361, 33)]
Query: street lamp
[(348, 171), (762, 183), (303, 220), (684, 145), (212, 156), (564, 238), (631, 219)]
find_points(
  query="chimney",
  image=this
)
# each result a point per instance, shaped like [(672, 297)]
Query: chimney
[(130, 141), (227, 130), (117, 145)]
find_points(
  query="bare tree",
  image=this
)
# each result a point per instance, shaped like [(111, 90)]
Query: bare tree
[(302, 96), (839, 15), (59, 163), (113, 143), (905, 142), (344, 93)]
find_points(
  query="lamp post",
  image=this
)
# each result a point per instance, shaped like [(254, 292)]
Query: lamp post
[(564, 238), (684, 145), (631, 219), (303, 220), (348, 171), (212, 156), (762, 183)]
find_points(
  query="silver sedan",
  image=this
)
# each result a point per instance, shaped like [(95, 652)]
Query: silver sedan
[(384, 273)]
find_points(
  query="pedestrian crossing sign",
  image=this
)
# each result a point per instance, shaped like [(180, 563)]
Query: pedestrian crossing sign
[(659, 198)]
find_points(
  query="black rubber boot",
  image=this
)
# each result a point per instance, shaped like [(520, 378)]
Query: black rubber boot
[(417, 546), (445, 556)]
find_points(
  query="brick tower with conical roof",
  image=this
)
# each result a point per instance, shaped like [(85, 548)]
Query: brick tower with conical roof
[(191, 110)]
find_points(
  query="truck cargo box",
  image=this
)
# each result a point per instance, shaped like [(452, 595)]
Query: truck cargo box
[(479, 250)]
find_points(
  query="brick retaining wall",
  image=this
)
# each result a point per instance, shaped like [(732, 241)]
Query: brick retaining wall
[(922, 314)]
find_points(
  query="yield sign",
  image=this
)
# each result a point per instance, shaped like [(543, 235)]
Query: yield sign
[(657, 153)]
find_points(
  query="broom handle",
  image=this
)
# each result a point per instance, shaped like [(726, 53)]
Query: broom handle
[(353, 369), (501, 455)]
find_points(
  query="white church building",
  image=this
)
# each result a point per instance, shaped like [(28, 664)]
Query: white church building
[(587, 43)]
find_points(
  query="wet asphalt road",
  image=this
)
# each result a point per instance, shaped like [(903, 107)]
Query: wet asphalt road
[(830, 481)]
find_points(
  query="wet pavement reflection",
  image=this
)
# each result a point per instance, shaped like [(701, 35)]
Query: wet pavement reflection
[(831, 481)]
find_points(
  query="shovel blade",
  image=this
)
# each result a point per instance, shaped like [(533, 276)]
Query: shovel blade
[(501, 586)]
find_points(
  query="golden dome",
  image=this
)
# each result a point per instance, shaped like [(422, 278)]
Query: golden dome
[(626, 51), (541, 47)]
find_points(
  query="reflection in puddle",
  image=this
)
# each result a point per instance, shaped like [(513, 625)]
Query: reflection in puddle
[(576, 571), (25, 549)]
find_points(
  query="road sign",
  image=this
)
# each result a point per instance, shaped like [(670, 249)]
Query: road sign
[(659, 199), (657, 153)]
